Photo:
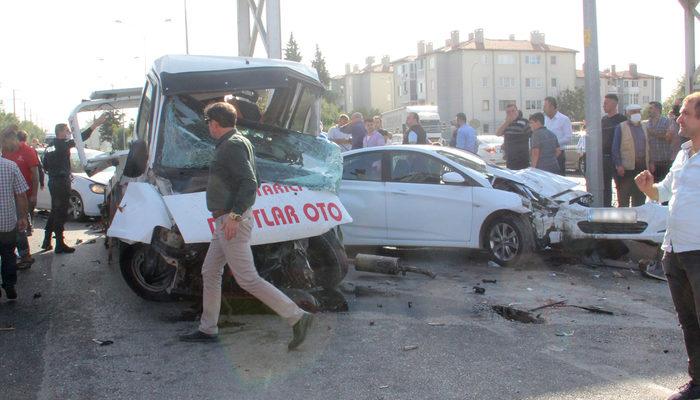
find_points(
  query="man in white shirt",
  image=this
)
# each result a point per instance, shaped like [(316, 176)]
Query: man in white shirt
[(344, 140), (681, 246), (560, 125)]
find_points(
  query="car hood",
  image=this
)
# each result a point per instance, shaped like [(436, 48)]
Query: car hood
[(101, 177), (542, 182)]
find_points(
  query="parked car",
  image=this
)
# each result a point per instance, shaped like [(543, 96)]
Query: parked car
[(490, 149), (87, 192), (576, 152), (413, 195)]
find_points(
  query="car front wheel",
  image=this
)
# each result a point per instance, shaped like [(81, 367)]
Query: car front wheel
[(76, 210), (508, 239), (146, 273)]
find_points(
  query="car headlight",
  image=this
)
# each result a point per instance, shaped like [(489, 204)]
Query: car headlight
[(97, 188)]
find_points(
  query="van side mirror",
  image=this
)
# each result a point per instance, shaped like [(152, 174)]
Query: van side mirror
[(452, 177), (137, 159)]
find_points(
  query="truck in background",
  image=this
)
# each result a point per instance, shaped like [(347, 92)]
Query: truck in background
[(394, 121)]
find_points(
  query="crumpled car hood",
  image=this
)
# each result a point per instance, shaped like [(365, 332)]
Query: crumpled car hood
[(542, 182)]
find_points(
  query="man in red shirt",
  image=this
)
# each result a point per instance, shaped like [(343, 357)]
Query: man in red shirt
[(26, 159)]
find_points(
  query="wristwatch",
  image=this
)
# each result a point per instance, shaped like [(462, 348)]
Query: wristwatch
[(235, 217)]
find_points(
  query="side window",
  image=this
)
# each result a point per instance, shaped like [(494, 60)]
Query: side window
[(408, 167), (363, 167), (145, 115)]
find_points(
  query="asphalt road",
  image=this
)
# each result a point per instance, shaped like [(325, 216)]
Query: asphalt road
[(463, 350)]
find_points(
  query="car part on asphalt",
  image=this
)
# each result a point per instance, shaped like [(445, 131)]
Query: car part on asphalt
[(386, 265), (513, 314)]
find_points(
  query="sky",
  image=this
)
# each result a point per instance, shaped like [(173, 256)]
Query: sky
[(56, 53)]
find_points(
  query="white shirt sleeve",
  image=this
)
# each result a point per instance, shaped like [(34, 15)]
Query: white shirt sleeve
[(412, 137)]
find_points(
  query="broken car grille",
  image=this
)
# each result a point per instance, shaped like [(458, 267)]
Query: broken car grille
[(612, 227)]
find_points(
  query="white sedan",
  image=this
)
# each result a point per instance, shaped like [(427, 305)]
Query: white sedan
[(87, 192), (413, 195)]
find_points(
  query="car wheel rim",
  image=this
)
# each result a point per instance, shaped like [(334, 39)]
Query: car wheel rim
[(76, 206), (504, 241), (151, 274)]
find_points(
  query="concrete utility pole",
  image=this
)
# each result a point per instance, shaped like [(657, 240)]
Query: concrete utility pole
[(689, 8), (270, 32), (187, 33), (594, 137)]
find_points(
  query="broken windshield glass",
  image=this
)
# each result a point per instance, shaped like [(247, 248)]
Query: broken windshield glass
[(282, 156)]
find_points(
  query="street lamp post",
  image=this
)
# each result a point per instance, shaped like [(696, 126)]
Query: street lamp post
[(187, 35)]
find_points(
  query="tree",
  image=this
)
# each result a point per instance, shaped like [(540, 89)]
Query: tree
[(319, 63), (678, 93), (33, 131), (572, 103), (329, 113), (368, 113), (291, 52), (114, 131)]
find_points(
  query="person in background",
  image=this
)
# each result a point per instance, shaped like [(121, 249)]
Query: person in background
[(661, 153), (630, 153), (344, 140), (415, 134), (466, 135), (373, 137), (681, 245), (610, 121), (544, 145), (28, 163), (560, 125), (378, 126), (356, 129), (516, 138)]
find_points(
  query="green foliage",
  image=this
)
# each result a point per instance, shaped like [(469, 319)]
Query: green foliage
[(33, 131), (329, 113), (291, 52), (572, 103), (678, 93), (368, 113), (319, 63), (114, 131)]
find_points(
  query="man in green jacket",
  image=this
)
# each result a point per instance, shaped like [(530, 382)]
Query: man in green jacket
[(230, 195)]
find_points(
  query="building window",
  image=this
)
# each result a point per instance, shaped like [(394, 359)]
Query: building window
[(420, 64), (420, 87), (533, 104), (635, 99), (431, 63), (627, 83), (505, 59), (485, 105), (531, 59), (502, 104), (646, 83), (484, 59), (554, 82), (486, 128), (533, 82), (635, 83), (405, 88), (484, 82), (553, 60), (506, 82), (403, 69)]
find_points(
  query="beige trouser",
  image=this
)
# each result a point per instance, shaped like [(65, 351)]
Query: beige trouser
[(236, 252)]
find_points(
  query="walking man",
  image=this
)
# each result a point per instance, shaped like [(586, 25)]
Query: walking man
[(230, 195), (13, 202), (661, 153), (681, 245), (466, 135), (560, 125), (610, 121), (57, 165), (516, 134), (630, 154), (415, 134)]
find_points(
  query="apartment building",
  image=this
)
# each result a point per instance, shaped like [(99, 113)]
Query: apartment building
[(368, 88), (631, 86)]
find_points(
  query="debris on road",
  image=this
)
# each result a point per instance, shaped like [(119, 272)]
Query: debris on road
[(360, 290), (410, 304), (493, 264), (479, 290), (103, 342), (92, 241), (489, 281), (97, 261), (593, 309), (436, 324), (558, 303), (78, 241), (371, 323), (384, 387), (513, 314), (37, 295), (617, 274), (565, 334), (7, 328), (386, 265), (410, 347)]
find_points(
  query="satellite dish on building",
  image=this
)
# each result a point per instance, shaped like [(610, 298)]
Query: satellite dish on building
[(474, 123)]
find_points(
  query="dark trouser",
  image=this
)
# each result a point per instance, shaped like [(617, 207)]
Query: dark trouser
[(59, 187), (683, 274), (22, 244), (562, 163), (661, 170), (8, 260), (608, 172), (627, 190)]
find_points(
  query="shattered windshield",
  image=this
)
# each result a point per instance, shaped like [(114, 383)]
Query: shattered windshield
[(282, 156)]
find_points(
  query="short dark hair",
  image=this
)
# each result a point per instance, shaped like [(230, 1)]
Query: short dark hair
[(612, 96), (22, 136), (551, 100), (538, 116), (462, 117), (221, 112), (59, 128), (415, 116), (656, 104)]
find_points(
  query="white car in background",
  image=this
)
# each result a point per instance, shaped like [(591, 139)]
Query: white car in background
[(490, 149), (87, 192), (417, 196)]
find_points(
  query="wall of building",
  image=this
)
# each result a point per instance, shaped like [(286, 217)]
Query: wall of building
[(381, 91)]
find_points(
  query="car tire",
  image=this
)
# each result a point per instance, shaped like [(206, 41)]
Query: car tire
[(146, 273), (76, 208), (582, 165), (508, 239), (327, 259)]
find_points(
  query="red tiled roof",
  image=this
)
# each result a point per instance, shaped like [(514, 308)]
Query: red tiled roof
[(505, 44), (618, 74)]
